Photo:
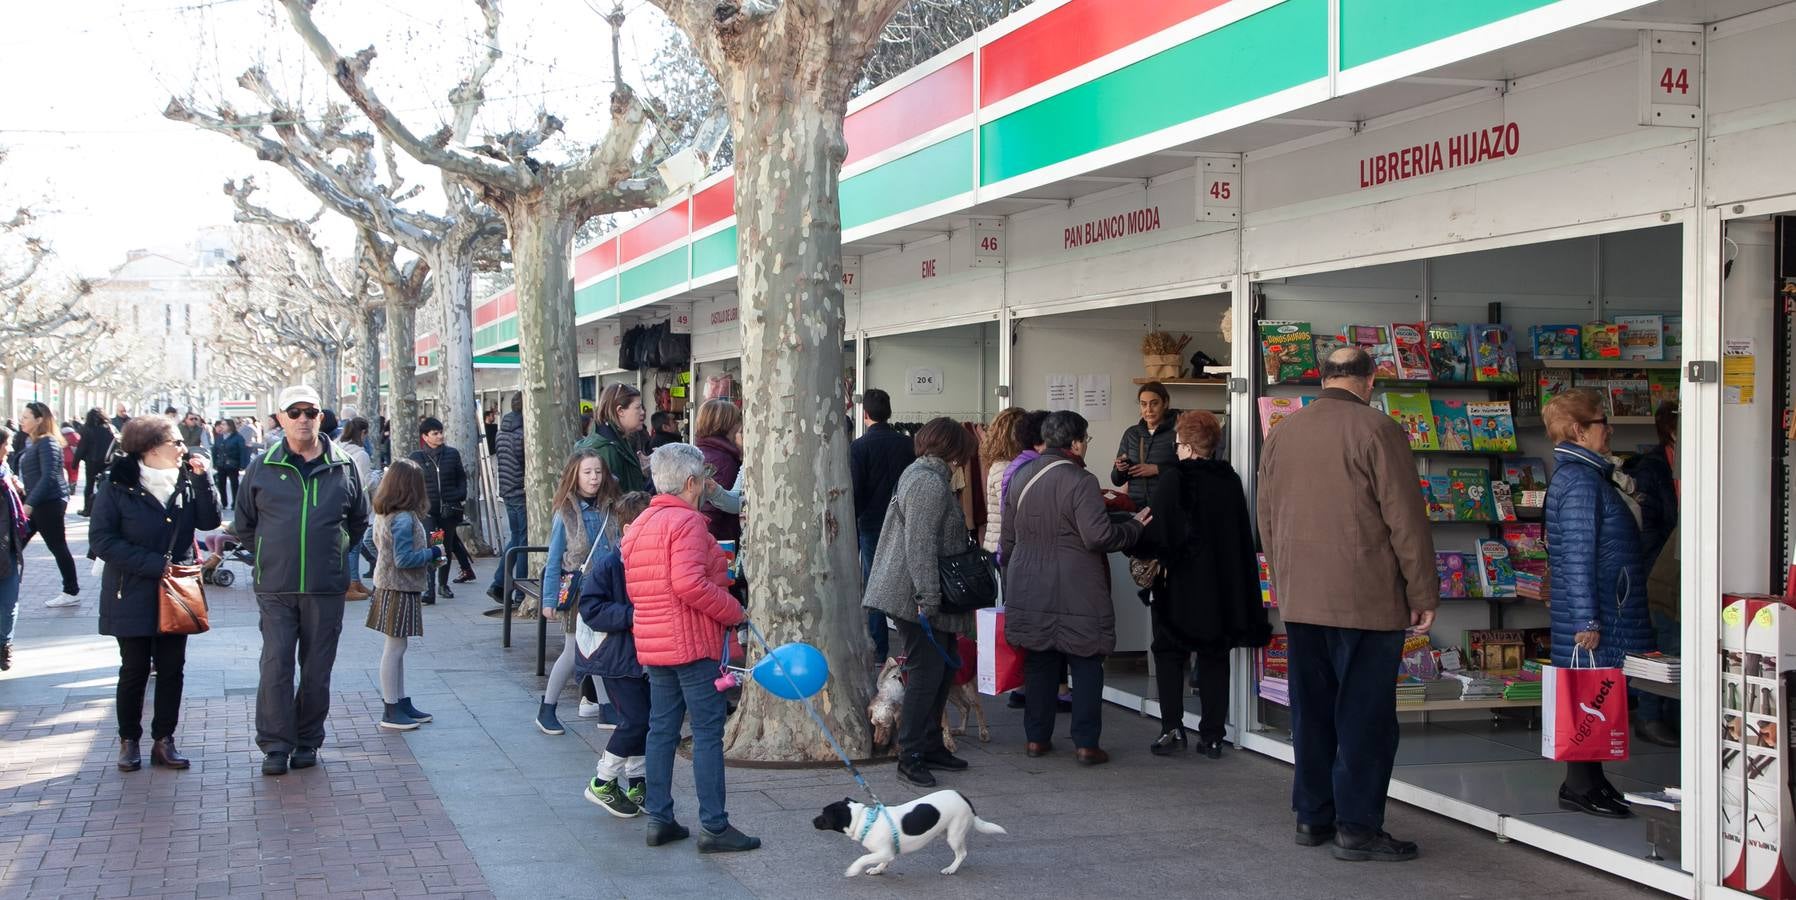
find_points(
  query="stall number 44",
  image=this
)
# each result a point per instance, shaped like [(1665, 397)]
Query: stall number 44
[(1675, 81)]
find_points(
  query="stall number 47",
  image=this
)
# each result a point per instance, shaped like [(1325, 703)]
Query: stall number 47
[(1675, 81)]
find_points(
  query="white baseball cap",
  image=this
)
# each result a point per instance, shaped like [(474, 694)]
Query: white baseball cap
[(299, 393)]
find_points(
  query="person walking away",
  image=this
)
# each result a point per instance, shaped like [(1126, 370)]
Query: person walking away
[(71, 455), (448, 484), (402, 569), (1206, 599), (718, 435), (876, 460), (666, 429), (1057, 585), (1348, 583), (229, 455), (676, 577), (510, 455), (47, 495), (618, 418), (98, 440), (605, 607), (1594, 557), (923, 524), (584, 525), (1655, 482), (353, 444), (998, 451), (300, 508), (12, 552), (1148, 445), (152, 502)]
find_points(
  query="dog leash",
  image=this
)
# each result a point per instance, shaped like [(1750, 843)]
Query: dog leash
[(929, 632), (879, 806)]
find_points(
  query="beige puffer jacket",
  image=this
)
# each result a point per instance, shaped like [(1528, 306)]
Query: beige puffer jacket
[(994, 508)]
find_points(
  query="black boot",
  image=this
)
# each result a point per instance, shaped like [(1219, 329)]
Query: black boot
[(913, 769), (129, 760)]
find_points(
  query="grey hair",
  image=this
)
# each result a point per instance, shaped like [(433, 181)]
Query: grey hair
[(672, 464), (1064, 429)]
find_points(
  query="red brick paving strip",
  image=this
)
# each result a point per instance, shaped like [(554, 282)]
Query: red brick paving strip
[(364, 823)]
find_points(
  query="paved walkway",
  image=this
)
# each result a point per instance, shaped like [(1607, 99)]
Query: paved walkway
[(479, 804)]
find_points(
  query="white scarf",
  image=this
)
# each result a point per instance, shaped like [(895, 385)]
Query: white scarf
[(160, 483)]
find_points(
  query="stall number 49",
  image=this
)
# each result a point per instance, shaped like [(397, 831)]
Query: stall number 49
[(1675, 81)]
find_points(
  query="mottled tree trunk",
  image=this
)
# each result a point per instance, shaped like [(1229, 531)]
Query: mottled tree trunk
[(799, 548), (541, 234), (452, 270), (330, 375), (367, 399), (403, 376)]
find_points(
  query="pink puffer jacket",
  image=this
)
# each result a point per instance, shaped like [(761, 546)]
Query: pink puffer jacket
[(674, 572)]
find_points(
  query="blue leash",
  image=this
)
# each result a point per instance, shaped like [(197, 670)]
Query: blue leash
[(929, 632)]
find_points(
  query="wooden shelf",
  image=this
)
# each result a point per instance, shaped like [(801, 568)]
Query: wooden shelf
[(1186, 382), (1605, 364)]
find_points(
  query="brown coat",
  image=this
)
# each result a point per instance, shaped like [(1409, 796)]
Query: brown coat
[(1342, 520), (1056, 579)]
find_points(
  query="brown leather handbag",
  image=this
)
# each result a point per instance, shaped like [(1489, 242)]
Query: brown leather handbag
[(181, 595)]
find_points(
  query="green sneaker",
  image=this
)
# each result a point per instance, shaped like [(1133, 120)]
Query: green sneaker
[(614, 799), (635, 793)]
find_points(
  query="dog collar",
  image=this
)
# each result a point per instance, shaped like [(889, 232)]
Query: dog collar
[(879, 809)]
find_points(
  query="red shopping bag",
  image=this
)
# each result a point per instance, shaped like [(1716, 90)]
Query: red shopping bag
[(1000, 666), (1584, 713)]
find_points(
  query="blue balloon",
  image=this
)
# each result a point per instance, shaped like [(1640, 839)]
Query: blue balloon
[(801, 671)]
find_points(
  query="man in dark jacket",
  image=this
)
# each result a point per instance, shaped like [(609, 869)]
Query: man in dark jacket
[(510, 455), (875, 460), (300, 507), (665, 427), (1351, 551), (447, 483), (97, 443), (119, 417)]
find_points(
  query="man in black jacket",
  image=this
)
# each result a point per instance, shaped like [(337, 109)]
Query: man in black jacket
[(510, 454), (300, 507), (875, 460), (447, 483)]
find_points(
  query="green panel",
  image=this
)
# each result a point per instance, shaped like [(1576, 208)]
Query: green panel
[(662, 272), (508, 329), (936, 172), (496, 359), (601, 294), (714, 253), (1260, 55), (1375, 29)]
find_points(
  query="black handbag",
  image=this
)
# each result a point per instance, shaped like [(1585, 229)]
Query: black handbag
[(969, 579)]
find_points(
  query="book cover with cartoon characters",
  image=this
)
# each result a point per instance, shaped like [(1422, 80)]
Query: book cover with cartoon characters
[(1415, 412), (1289, 352), (1468, 491), (1493, 426), (1453, 424), (1411, 342), (1448, 356), (1493, 353)]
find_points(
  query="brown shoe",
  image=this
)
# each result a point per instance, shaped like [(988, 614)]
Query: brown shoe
[(1091, 756), (1039, 749), (356, 591), (129, 760), (163, 753)]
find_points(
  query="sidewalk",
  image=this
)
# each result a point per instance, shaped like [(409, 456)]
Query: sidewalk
[(480, 804)]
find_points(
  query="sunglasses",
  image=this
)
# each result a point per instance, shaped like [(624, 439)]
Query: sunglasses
[(310, 412)]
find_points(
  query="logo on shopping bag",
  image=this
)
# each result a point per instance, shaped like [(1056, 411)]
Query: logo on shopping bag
[(1593, 711)]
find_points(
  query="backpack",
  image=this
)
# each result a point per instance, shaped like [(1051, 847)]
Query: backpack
[(675, 350), (649, 346), (626, 349)]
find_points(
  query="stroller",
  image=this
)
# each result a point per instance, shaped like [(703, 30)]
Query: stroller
[(225, 548)]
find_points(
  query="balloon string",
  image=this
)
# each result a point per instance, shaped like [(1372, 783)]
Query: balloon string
[(817, 717)]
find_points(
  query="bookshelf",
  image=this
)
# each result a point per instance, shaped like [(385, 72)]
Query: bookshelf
[(1529, 362), (1186, 382)]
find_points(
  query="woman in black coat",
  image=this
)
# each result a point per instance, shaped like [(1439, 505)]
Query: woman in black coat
[(97, 438), (1206, 599), (149, 503)]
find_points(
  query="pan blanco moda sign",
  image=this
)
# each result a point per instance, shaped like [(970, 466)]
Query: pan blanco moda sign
[(1133, 222), (1470, 148)]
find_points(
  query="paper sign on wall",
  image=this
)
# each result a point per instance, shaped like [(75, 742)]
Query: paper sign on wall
[(1094, 397), (923, 380), (1063, 392), (1739, 369)]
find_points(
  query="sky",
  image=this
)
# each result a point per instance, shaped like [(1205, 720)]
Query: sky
[(89, 150)]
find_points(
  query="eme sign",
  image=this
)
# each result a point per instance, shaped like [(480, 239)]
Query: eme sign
[(1471, 148)]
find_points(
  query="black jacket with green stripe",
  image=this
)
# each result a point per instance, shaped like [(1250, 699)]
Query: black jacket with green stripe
[(301, 528)]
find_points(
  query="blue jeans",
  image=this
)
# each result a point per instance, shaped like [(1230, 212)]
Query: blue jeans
[(673, 691), (9, 606), (1652, 707), (876, 620), (517, 527), (1343, 723)]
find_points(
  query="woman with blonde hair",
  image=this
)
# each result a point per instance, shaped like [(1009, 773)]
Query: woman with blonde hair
[(47, 494), (999, 448), (583, 524)]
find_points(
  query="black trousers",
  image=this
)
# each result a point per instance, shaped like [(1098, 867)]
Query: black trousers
[(1343, 723), (135, 653), (46, 519), (1584, 777), (227, 486), (926, 682), (452, 546), (1212, 690), (309, 625), (87, 493), (630, 696), (1041, 688)]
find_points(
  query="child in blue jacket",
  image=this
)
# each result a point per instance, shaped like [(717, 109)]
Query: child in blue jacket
[(608, 651)]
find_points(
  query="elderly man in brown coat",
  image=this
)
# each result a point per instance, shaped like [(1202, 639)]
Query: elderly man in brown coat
[(1347, 538)]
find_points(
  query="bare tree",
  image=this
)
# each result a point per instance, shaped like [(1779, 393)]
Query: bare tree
[(542, 202), (923, 28)]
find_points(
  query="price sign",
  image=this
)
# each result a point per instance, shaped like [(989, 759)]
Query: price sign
[(1219, 190), (923, 380), (989, 243), (1670, 78)]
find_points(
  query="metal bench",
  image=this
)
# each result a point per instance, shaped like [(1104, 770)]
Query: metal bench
[(530, 587)]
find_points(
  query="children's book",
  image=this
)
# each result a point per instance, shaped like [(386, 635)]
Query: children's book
[(1642, 337), (1493, 426), (1501, 499), (1268, 599), (1329, 343), (1415, 412), (1525, 475), (1493, 353), (1525, 540), (1289, 351), (1448, 356), (1674, 337), (1376, 339), (1496, 578), (1452, 423), (1274, 409), (1552, 383), (1455, 575), (1411, 342), (1663, 385), (1630, 397), (1439, 496), (1468, 490), (1602, 340), (1556, 341)]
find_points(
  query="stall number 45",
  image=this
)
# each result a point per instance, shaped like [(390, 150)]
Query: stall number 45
[(1675, 81), (1221, 190)]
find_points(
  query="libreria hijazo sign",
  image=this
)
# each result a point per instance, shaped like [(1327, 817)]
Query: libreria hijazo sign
[(1471, 148)]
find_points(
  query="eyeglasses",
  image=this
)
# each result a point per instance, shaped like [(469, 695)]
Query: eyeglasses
[(310, 412), (1600, 420), (177, 442)]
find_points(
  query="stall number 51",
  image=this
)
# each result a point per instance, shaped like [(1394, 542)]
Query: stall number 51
[(1675, 81)]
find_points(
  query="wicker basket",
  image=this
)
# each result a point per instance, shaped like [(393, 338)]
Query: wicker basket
[(1163, 366)]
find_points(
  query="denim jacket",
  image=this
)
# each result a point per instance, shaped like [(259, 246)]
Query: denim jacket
[(593, 521)]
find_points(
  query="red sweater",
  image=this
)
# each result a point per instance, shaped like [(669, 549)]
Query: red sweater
[(674, 573)]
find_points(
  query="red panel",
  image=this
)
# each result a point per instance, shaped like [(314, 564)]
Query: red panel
[(1072, 36), (714, 204), (508, 304), (424, 344), (486, 313), (657, 231), (929, 102), (596, 261)]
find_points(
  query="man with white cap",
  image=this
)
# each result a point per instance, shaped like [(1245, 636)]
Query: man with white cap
[(300, 508)]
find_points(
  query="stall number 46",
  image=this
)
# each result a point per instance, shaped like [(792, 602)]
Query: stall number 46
[(1675, 81)]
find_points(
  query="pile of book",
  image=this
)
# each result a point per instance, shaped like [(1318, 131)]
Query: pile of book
[(1625, 392), (1411, 692), (1273, 672), (1404, 351), (1652, 338), (1522, 689), (1652, 667), (1477, 686)]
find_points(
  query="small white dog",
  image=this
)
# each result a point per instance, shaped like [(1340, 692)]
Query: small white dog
[(898, 830)]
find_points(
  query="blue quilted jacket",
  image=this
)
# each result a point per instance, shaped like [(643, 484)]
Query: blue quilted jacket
[(1593, 549)]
